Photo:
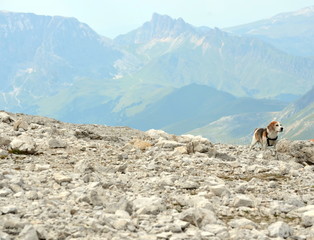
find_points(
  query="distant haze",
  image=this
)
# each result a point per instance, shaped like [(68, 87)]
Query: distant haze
[(111, 18)]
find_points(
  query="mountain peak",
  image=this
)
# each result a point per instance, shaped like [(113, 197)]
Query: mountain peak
[(160, 26), (159, 18)]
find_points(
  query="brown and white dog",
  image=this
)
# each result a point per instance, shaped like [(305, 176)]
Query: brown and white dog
[(267, 136)]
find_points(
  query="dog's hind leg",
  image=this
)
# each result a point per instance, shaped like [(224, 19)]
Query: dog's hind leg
[(253, 143)]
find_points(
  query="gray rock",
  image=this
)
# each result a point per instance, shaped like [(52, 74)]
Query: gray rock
[(9, 209), (5, 192), (56, 143), (158, 134), (12, 224), (301, 151), (179, 226), (84, 166), (279, 207), (198, 217), (219, 190), (20, 124), (279, 229), (61, 178), (188, 185), (28, 233), (218, 230), (42, 167), (121, 205), (152, 205), (308, 218), (122, 214), (247, 234), (3, 153), (31, 195), (120, 224), (241, 200), (242, 223), (23, 144), (6, 118), (5, 141), (200, 202), (181, 150), (4, 236), (168, 144)]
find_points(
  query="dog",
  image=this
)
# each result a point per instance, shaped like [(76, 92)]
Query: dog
[(267, 136)]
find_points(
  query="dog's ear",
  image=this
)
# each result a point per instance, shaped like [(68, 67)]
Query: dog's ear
[(271, 126)]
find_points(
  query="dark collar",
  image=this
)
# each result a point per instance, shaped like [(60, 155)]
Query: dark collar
[(270, 139)]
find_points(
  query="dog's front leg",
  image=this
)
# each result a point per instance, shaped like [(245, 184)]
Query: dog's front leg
[(275, 154)]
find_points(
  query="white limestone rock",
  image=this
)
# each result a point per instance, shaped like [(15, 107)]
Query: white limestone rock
[(242, 200), (279, 229), (61, 178), (28, 233), (56, 143), (6, 118), (198, 217), (23, 144), (308, 218), (148, 205), (20, 124)]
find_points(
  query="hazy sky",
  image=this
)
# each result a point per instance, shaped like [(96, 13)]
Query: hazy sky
[(113, 17)]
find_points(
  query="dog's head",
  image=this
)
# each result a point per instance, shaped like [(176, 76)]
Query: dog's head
[(275, 126)]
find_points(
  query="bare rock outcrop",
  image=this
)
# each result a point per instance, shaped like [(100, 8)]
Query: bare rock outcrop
[(300, 151), (71, 181)]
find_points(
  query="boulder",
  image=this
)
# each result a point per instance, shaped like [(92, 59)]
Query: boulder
[(308, 218), (140, 144), (279, 229), (23, 144), (156, 134), (61, 178), (148, 205), (242, 200), (56, 143), (301, 151), (198, 217), (20, 124), (5, 141), (28, 233), (6, 118), (3, 153)]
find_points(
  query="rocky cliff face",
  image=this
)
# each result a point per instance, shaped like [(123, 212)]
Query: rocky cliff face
[(66, 181)]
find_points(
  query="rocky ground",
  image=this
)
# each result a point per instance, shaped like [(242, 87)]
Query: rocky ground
[(67, 181)]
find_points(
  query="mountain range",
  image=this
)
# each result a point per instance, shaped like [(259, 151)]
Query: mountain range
[(291, 32), (165, 74)]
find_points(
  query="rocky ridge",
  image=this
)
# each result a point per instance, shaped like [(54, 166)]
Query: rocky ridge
[(69, 181)]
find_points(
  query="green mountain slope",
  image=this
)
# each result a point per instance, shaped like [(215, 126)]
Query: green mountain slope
[(297, 119), (194, 106), (301, 124)]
